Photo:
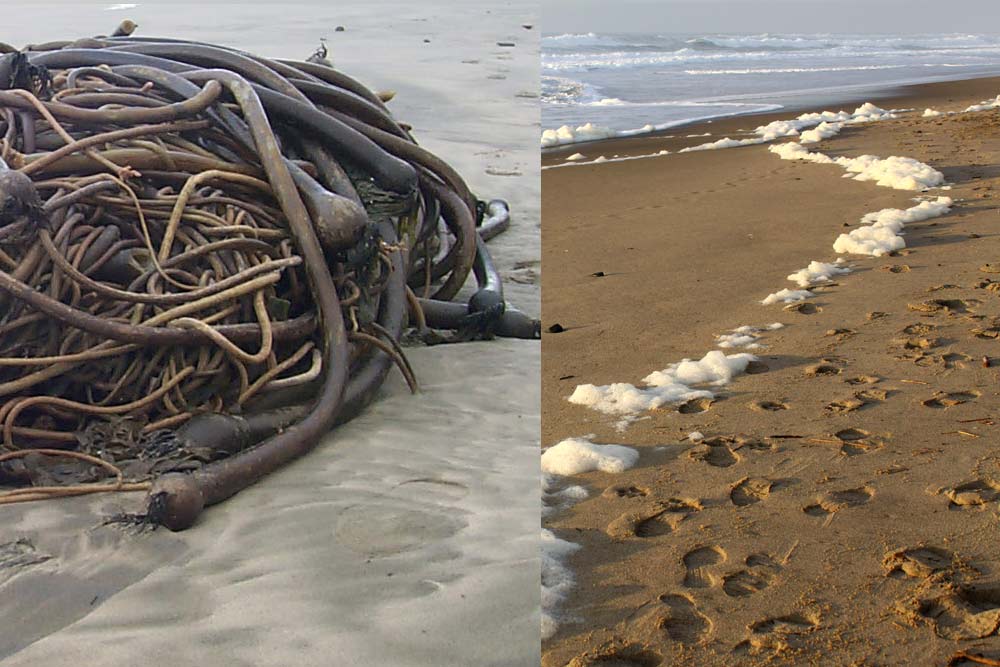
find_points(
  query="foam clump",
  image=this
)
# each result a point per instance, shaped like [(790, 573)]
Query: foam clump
[(985, 105), (557, 579), (715, 368), (901, 173), (796, 151), (576, 156), (573, 456), (745, 336), (787, 296), (670, 385), (868, 112), (882, 231), (822, 131), (721, 143), (568, 135), (931, 113), (818, 272)]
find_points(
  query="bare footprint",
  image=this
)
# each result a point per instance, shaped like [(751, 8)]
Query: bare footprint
[(698, 562), (863, 379)]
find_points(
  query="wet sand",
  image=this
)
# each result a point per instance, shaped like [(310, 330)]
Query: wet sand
[(843, 508), (409, 537)]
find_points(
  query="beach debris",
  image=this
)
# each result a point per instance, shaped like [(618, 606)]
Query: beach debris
[(207, 261), (556, 328)]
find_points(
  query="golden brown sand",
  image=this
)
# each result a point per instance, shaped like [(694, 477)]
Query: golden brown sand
[(843, 510)]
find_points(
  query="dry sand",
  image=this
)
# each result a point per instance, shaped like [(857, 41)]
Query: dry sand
[(845, 517), (409, 537)]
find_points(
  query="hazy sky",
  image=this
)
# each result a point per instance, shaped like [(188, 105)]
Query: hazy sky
[(981, 16)]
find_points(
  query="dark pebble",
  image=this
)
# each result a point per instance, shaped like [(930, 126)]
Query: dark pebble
[(556, 328)]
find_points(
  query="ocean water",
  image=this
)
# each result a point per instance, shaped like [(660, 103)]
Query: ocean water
[(630, 81)]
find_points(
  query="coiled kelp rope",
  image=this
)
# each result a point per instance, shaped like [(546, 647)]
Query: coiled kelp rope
[(207, 261)]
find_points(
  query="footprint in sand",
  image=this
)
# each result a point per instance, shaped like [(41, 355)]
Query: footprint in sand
[(918, 562), (989, 333), (750, 490), (950, 399), (803, 308), (972, 495), (698, 562), (950, 306), (963, 612), (768, 406), (618, 491), (20, 553), (715, 452), (896, 268), (921, 343), (845, 405), (825, 367), (653, 520), (838, 500), (863, 379), (681, 620), (629, 656), (760, 572), (695, 406), (918, 329), (840, 334), (947, 361), (777, 635)]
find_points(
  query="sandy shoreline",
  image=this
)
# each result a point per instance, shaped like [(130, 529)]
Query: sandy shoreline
[(409, 537), (824, 522)]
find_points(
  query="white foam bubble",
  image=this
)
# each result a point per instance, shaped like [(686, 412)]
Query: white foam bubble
[(787, 296), (882, 232), (573, 456), (557, 579), (818, 272), (673, 384)]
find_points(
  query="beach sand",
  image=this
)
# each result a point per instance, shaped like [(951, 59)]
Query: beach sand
[(410, 535), (846, 512)]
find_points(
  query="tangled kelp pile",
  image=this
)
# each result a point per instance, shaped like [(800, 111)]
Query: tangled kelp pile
[(207, 260)]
